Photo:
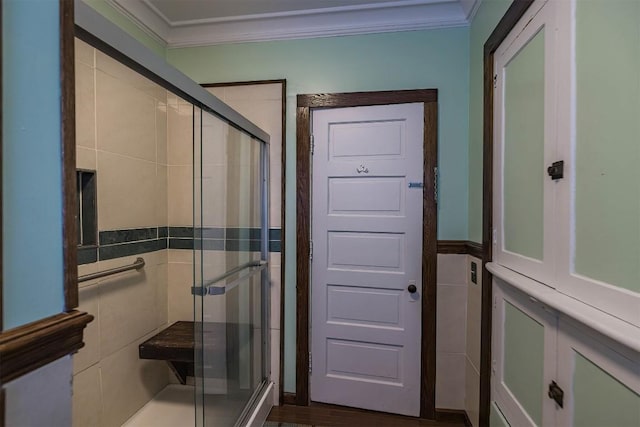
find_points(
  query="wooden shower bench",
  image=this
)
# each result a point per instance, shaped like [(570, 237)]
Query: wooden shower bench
[(176, 345)]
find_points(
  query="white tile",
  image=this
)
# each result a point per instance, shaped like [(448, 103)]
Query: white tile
[(214, 195), (162, 295), (116, 69), (87, 398), (86, 158), (126, 192), (275, 363), (452, 269), (162, 197), (84, 53), (218, 92), (87, 269), (180, 195), (127, 305), (90, 353), (472, 395), (180, 135), (85, 106), (275, 259), (474, 310), (184, 256), (129, 382), (451, 318), (126, 119), (276, 288), (161, 132), (180, 278), (450, 380)]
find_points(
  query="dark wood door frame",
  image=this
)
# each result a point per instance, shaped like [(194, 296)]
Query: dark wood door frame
[(502, 30), (306, 103)]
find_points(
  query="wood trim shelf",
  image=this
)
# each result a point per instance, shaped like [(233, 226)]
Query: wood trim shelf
[(29, 347), (460, 247)]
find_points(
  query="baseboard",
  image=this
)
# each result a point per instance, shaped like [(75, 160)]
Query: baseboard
[(454, 416), (288, 399)]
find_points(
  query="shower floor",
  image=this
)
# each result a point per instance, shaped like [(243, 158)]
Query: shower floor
[(172, 407)]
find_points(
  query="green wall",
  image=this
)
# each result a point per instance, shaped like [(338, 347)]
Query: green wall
[(109, 12), (483, 23), (407, 60)]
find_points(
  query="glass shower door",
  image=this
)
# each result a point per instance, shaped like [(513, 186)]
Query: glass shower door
[(230, 270)]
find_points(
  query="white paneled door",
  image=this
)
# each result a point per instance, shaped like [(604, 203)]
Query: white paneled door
[(367, 257)]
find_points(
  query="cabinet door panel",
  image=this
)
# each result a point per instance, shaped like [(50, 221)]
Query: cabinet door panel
[(599, 134), (524, 357), (525, 144), (601, 385)]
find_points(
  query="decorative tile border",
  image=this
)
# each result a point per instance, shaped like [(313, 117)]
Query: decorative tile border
[(121, 243)]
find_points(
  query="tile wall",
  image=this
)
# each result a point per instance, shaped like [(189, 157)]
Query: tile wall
[(121, 134), (472, 365), (458, 335), (451, 327)]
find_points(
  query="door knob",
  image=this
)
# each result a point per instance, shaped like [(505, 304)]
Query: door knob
[(412, 289)]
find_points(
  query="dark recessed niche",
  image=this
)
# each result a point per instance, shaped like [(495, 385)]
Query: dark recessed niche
[(87, 214)]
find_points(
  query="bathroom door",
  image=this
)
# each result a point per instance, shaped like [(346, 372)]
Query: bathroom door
[(367, 257)]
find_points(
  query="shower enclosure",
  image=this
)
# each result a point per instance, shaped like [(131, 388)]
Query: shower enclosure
[(204, 243), (231, 285)]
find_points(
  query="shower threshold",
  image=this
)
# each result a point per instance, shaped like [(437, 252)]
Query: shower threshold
[(174, 407)]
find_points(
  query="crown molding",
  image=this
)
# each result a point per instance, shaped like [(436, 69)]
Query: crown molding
[(408, 15)]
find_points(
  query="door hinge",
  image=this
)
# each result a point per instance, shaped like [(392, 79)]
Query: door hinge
[(495, 81), (435, 184), (310, 249), (312, 145), (310, 363), (556, 393)]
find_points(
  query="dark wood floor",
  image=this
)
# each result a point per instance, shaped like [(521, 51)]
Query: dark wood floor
[(320, 415)]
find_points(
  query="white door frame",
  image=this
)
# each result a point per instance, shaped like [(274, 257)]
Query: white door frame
[(305, 104)]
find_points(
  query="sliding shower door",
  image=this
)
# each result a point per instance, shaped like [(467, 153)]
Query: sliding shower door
[(230, 270)]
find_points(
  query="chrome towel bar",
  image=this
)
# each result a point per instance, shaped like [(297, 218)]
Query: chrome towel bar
[(137, 265), (208, 287)]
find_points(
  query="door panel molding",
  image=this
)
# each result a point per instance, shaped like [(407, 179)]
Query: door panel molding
[(305, 103)]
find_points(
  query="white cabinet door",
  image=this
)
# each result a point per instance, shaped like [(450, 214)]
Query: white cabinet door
[(525, 144), (524, 354), (600, 380)]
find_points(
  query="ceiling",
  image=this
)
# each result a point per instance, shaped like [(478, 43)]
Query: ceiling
[(180, 23)]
